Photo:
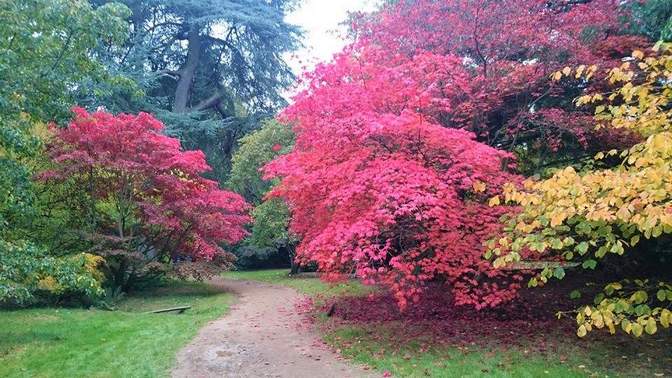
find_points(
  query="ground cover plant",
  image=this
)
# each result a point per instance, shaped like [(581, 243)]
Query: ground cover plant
[(67, 342)]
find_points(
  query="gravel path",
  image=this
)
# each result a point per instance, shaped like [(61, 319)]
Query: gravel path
[(261, 336)]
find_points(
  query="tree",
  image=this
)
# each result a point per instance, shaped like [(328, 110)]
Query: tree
[(395, 156), (255, 150), (270, 216), (46, 54), (148, 201), (507, 49), (379, 189), (603, 213), (399, 202), (46, 46), (210, 70)]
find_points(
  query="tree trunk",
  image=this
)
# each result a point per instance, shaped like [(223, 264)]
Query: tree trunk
[(188, 71), (294, 267), (119, 276)]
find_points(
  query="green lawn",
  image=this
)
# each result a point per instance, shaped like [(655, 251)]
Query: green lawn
[(307, 285), (379, 346), (382, 347), (48, 342)]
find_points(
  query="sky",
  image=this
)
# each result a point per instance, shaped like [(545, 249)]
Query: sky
[(320, 21)]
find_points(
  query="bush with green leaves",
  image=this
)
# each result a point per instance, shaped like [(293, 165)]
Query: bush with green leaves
[(29, 275)]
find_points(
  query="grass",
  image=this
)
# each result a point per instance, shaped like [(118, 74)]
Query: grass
[(414, 350), (308, 285), (381, 347), (50, 342), (411, 358)]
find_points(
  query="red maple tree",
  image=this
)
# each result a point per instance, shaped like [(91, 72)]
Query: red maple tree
[(150, 190), (391, 169), (508, 48)]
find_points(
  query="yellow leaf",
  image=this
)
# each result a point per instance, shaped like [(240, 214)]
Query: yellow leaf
[(637, 329), (566, 71), (581, 332), (504, 242), (557, 219), (651, 326), (479, 186), (494, 201), (583, 100), (638, 54), (665, 317), (627, 326)]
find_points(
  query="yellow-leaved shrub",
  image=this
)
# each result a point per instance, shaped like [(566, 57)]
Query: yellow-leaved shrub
[(578, 218)]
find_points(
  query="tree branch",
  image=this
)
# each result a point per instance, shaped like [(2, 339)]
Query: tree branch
[(210, 102)]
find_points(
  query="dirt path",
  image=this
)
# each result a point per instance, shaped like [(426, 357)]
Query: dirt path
[(261, 336)]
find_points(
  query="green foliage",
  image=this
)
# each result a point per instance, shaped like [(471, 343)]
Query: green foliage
[(28, 274), (16, 194), (257, 149), (653, 18), (628, 304), (270, 228), (46, 53), (271, 222), (58, 342)]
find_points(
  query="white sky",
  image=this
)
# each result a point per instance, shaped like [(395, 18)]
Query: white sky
[(320, 21)]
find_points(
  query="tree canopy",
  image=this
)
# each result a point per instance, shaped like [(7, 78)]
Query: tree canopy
[(146, 195), (209, 70)]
